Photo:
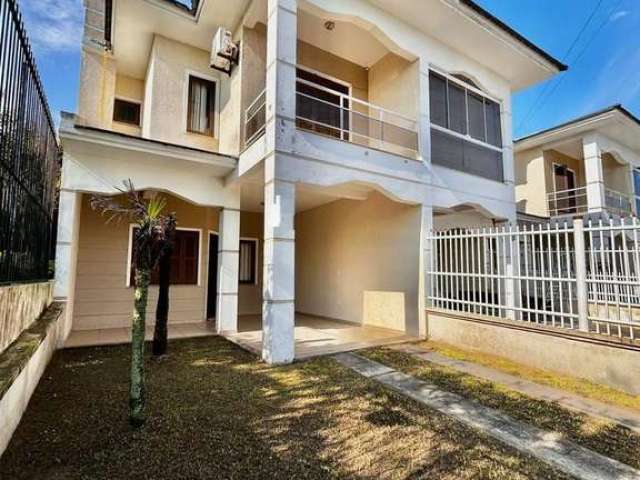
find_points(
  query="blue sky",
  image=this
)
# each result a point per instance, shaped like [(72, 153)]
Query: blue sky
[(604, 63)]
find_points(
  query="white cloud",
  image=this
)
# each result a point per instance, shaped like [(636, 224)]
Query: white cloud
[(53, 25), (618, 15)]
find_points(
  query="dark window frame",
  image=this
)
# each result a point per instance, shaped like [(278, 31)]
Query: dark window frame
[(123, 101), (462, 150), (253, 278), (210, 131), (177, 272)]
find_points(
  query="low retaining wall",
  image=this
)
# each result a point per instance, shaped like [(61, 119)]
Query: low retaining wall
[(20, 306), (21, 366), (611, 362)]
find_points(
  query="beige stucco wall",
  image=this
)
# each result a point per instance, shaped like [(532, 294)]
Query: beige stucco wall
[(253, 65), (394, 85), (102, 299), (322, 61), (616, 175), (97, 88), (530, 182), (358, 261), (166, 88), (617, 367)]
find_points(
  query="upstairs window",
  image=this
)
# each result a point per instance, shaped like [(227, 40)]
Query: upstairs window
[(465, 128), (201, 106), (126, 112)]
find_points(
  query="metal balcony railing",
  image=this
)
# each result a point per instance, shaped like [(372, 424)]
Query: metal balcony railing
[(255, 119), (567, 202), (328, 112), (617, 202), (574, 202)]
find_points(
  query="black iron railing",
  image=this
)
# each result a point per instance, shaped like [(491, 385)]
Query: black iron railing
[(29, 158)]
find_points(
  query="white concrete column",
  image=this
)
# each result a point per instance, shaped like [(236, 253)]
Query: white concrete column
[(506, 125), (70, 206), (632, 190), (424, 113), (425, 284), (508, 259), (594, 174), (278, 310), (228, 265), (282, 34)]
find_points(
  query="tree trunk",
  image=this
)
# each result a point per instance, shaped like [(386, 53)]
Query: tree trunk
[(137, 387), (162, 309)]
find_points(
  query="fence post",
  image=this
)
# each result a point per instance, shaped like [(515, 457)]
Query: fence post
[(580, 256)]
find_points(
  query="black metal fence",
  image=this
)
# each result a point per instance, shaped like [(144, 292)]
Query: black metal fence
[(29, 158)]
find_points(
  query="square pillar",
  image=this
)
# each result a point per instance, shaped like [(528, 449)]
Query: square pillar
[(424, 113), (278, 310), (228, 266), (594, 175), (282, 35), (508, 257), (506, 127), (70, 205), (425, 281)]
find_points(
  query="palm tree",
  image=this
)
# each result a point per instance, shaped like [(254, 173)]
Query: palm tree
[(149, 238), (164, 278)]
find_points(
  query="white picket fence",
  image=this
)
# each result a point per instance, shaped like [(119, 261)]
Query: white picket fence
[(565, 274)]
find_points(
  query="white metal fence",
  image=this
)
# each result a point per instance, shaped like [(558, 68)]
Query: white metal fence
[(568, 275)]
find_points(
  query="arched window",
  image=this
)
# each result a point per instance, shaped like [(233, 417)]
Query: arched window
[(465, 79)]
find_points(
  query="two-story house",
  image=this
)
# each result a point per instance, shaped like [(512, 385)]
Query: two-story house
[(305, 171), (587, 165)]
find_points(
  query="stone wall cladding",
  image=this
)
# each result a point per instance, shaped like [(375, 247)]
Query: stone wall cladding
[(20, 306)]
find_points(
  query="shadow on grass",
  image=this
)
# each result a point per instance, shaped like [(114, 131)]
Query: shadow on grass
[(216, 412), (607, 438)]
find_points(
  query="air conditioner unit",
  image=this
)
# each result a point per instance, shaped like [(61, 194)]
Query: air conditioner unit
[(224, 53)]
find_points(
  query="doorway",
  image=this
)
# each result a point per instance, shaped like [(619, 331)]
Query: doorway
[(565, 184), (212, 278)]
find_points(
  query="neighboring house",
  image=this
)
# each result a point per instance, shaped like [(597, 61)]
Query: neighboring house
[(588, 165), (307, 179)]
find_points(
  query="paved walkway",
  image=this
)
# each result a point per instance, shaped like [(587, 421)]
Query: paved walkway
[(623, 416), (547, 446)]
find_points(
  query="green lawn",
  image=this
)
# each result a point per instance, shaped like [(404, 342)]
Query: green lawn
[(607, 438), (216, 412)]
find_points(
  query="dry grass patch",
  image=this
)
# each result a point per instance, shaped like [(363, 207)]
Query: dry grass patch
[(216, 412), (610, 439), (582, 387)]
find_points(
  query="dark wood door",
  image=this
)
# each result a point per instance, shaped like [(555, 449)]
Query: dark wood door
[(212, 284)]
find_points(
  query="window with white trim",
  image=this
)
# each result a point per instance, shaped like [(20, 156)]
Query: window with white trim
[(636, 188), (465, 128), (202, 106)]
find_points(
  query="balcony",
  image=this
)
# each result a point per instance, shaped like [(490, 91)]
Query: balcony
[(574, 202), (255, 119), (333, 113)]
